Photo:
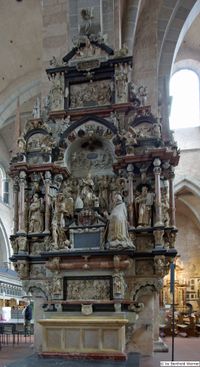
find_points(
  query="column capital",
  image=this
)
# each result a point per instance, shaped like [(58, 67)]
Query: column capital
[(157, 170), (130, 168), (22, 176), (157, 162)]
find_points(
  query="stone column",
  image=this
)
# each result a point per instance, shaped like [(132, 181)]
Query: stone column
[(21, 220), (159, 345), (156, 316), (130, 169), (157, 172), (38, 315), (171, 198), (15, 202), (47, 201), (55, 15), (117, 24)]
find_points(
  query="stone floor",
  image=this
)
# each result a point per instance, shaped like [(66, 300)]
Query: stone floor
[(22, 355)]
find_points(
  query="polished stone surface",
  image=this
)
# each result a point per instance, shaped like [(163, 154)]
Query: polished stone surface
[(34, 360)]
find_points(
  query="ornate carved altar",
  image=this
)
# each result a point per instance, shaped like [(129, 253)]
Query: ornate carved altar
[(94, 203)]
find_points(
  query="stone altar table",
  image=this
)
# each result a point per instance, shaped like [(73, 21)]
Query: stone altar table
[(90, 336)]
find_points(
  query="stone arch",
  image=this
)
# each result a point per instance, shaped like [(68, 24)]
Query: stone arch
[(106, 149), (37, 291), (147, 287), (189, 63), (171, 30), (4, 244), (192, 187), (25, 91), (85, 119), (176, 26)]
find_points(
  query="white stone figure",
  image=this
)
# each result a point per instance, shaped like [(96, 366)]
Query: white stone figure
[(145, 202), (21, 144), (57, 93), (78, 203), (36, 109), (57, 288), (119, 285), (69, 204), (114, 119), (87, 191), (121, 85), (156, 130), (36, 215), (142, 95), (118, 236), (60, 210), (87, 17)]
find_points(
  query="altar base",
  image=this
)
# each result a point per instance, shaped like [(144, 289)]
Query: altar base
[(88, 337)]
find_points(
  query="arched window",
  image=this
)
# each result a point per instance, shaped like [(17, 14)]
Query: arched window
[(1, 183), (185, 108), (4, 187)]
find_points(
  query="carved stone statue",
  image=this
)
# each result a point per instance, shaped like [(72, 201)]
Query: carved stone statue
[(21, 144), (142, 95), (78, 203), (56, 287), (57, 93), (119, 285), (60, 240), (156, 130), (36, 215), (160, 266), (60, 210), (145, 202), (118, 236), (103, 192), (121, 81), (69, 204), (87, 193), (22, 267), (22, 244), (88, 26), (36, 109)]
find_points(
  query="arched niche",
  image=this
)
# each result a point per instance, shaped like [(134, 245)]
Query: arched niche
[(89, 147), (92, 154)]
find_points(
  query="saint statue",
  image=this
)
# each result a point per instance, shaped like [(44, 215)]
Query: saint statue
[(87, 193), (35, 215), (145, 202), (118, 236), (36, 109)]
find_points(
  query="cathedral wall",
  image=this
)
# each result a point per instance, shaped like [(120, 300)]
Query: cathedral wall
[(187, 243)]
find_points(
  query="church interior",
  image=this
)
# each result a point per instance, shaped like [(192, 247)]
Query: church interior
[(100, 189)]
